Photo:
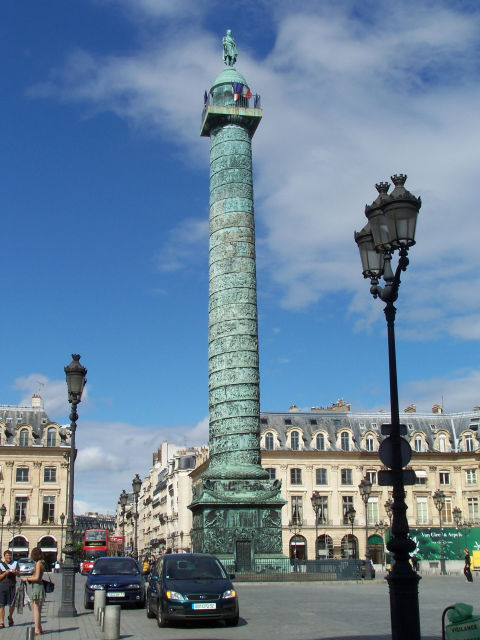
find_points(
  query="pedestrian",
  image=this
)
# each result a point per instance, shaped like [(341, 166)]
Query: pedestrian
[(38, 590), (467, 572), (8, 577), (415, 562), (56, 567)]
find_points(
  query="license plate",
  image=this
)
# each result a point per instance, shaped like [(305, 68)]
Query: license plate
[(115, 594), (204, 605)]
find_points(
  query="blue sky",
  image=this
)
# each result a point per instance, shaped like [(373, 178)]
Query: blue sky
[(105, 209)]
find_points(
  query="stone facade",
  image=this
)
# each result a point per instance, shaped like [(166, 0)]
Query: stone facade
[(34, 462)]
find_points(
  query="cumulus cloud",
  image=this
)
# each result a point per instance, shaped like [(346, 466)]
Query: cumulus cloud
[(349, 99), (185, 246), (459, 391), (52, 392)]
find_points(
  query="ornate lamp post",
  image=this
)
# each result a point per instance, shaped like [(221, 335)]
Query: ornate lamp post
[(295, 529), (381, 527), (457, 518), (136, 485), (3, 513), (76, 380), (123, 503), (439, 500), (390, 228), (351, 513), (62, 522), (317, 504), (467, 527), (388, 510), (365, 488)]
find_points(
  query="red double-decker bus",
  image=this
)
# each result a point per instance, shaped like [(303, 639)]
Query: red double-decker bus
[(95, 545)]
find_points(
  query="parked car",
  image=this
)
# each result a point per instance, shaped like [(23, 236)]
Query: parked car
[(191, 586), (26, 566), (365, 569), (121, 579)]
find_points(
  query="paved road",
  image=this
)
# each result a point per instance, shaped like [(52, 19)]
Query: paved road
[(280, 611)]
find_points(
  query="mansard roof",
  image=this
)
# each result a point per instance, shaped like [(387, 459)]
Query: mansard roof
[(13, 418)]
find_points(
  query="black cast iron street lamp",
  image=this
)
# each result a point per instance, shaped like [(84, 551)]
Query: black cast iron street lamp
[(365, 488), (62, 522), (123, 503), (76, 380), (317, 503), (391, 227), (467, 527), (388, 510), (351, 513), (136, 485), (439, 500), (457, 518), (3, 513)]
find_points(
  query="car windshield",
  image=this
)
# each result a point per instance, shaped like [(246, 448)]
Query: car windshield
[(115, 566), (194, 569)]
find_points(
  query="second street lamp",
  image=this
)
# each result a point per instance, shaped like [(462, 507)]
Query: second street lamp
[(457, 518), (136, 486), (62, 522), (317, 505), (365, 488), (3, 513), (351, 513), (76, 379), (123, 503), (439, 500)]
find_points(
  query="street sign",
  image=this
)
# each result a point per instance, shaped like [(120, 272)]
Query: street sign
[(385, 452), (385, 477)]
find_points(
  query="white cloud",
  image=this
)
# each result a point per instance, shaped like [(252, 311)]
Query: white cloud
[(53, 393), (346, 102), (186, 245), (93, 458), (458, 391)]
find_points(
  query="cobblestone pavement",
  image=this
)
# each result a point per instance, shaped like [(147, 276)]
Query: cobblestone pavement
[(280, 611)]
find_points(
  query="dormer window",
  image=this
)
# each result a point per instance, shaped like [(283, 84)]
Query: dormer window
[(369, 443), (294, 441), (320, 442), (468, 443), (52, 437), (418, 442), (345, 441), (269, 441), (23, 438)]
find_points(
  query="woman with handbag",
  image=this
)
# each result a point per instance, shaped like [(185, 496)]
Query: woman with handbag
[(8, 574), (38, 589)]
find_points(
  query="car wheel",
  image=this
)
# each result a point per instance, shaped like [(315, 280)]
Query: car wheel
[(150, 613), (161, 619), (231, 622)]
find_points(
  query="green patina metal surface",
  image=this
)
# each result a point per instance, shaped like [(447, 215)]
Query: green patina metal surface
[(236, 507)]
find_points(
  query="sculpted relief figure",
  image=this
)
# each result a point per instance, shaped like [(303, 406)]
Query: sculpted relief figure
[(229, 49)]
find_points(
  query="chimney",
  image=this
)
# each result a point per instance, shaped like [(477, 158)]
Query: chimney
[(36, 401), (412, 408), (437, 408), (293, 408)]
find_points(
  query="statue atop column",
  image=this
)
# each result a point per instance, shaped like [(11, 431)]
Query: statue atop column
[(229, 49)]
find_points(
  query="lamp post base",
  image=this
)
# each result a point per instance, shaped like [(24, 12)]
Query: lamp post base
[(67, 606), (404, 610), (443, 567)]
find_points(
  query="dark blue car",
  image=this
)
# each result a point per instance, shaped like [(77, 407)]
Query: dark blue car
[(121, 579), (191, 587)]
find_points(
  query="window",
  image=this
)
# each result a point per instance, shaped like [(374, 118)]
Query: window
[(345, 441), (418, 444), (21, 508), (272, 473), (294, 440), (295, 476), (420, 476), (263, 421), (469, 443), (313, 421), (422, 510), (321, 476), (50, 474), (52, 437), (372, 511), (472, 506), (447, 517), (442, 443), (23, 438), (444, 477), (369, 443), (371, 475), (323, 511), (471, 476), (21, 474), (48, 514), (347, 476), (269, 441), (287, 421), (347, 504), (374, 425), (320, 442), (297, 509)]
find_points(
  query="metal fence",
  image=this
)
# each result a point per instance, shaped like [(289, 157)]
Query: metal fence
[(283, 569)]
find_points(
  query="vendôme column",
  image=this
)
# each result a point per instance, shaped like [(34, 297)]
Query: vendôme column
[(236, 508)]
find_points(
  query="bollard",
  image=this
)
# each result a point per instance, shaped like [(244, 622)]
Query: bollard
[(101, 622), (30, 633), (111, 622), (100, 611), (100, 600)]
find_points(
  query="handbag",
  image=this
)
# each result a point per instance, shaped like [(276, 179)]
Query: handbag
[(48, 585)]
